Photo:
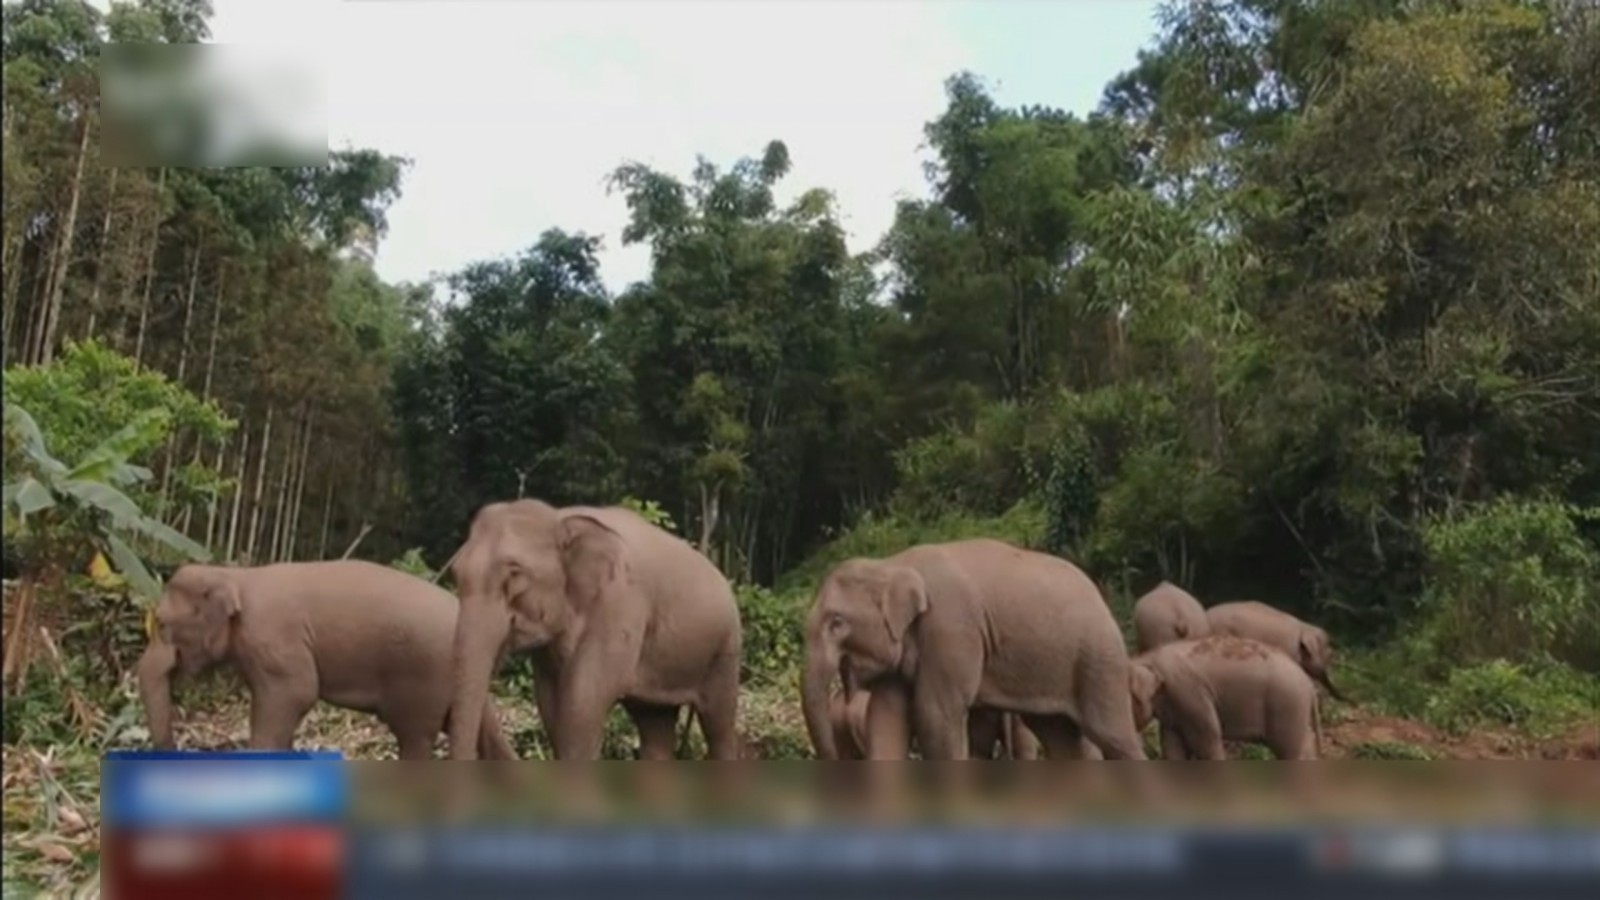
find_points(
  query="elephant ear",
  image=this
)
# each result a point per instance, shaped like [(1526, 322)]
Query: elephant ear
[(592, 554), (902, 601), (1313, 648), (214, 611), (1144, 684)]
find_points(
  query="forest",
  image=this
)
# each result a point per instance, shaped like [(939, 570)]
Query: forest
[(1306, 310)]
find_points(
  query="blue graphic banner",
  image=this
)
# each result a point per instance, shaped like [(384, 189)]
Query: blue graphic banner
[(139, 788)]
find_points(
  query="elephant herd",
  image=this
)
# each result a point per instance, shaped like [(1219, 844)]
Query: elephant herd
[(965, 649)]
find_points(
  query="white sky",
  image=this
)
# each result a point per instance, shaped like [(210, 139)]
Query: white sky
[(515, 111)]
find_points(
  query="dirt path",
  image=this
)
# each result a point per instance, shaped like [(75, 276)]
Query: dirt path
[(1364, 736)]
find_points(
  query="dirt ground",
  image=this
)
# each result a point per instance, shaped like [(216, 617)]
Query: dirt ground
[(1582, 742)]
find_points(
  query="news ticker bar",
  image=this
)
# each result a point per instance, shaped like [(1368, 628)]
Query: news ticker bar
[(937, 852), (963, 862)]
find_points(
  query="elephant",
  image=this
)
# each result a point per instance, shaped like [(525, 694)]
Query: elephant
[(1207, 690), (612, 609), (354, 634), (1167, 613), (940, 629), (1306, 643)]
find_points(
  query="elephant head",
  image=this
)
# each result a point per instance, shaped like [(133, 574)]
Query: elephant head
[(196, 613), (523, 574), (1145, 684), (862, 621), (1316, 657)]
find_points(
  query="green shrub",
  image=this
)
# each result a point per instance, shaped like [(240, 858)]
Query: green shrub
[(965, 470), (879, 536), (1514, 579), (1071, 497), (651, 512), (774, 636), (91, 392), (412, 563), (1499, 693)]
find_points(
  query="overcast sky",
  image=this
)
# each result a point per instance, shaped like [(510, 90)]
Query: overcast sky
[(514, 111)]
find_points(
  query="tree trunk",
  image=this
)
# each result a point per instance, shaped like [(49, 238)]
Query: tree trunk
[(238, 488), (216, 325), (15, 249), (211, 512), (63, 256), (103, 262), (205, 394), (327, 519), (299, 493), (188, 312), (710, 506), (183, 365), (261, 482), (280, 519), (150, 270)]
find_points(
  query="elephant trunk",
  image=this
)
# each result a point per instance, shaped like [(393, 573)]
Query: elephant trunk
[(1327, 682), (481, 631), (821, 665), (155, 691)]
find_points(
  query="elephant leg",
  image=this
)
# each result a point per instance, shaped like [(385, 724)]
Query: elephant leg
[(941, 724), (658, 728), (585, 695), (492, 740), (718, 709), (1105, 711), (415, 743), (985, 728), (1116, 739), (276, 711), (1058, 734), (1202, 735), (1172, 745), (1025, 744), (888, 722)]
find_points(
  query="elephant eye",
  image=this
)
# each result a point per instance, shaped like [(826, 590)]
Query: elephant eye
[(836, 623)]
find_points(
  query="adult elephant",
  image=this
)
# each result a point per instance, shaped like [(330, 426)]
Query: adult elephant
[(1166, 614), (939, 629), (354, 634), (613, 610), (1305, 643)]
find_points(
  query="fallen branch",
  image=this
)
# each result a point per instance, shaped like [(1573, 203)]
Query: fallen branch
[(366, 527)]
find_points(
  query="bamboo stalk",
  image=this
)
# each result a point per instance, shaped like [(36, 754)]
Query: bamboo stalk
[(261, 479)]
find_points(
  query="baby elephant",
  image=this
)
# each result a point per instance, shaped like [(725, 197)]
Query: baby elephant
[(1305, 643), (1219, 688), (355, 634), (1168, 613), (991, 734)]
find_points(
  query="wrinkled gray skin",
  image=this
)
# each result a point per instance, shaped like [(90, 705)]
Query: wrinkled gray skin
[(939, 629), (612, 609), (1304, 642), (1216, 689), (354, 634), (1167, 614)]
